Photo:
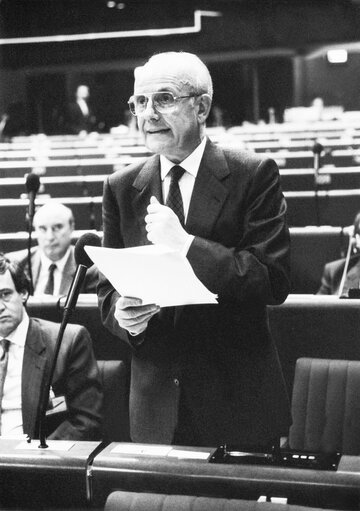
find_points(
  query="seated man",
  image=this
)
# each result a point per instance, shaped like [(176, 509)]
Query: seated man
[(53, 262), (26, 351), (332, 278)]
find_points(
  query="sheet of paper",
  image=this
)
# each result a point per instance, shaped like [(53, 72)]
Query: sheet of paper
[(154, 273)]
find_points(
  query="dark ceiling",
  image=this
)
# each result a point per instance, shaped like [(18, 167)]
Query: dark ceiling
[(331, 19), (242, 26)]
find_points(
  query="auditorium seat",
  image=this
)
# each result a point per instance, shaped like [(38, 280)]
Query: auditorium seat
[(130, 501), (332, 207), (113, 376), (326, 406)]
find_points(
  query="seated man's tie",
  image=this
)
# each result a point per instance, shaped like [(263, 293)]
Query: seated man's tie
[(49, 288), (4, 357)]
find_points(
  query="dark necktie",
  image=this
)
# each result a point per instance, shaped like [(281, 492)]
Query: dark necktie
[(49, 288), (4, 357), (174, 198)]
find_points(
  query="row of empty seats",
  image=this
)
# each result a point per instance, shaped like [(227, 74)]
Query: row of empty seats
[(81, 182), (333, 207)]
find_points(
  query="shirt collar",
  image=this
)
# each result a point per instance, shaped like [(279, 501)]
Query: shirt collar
[(18, 336), (46, 262), (191, 163)]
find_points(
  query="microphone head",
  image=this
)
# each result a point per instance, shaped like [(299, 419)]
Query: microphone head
[(317, 148), (81, 256), (32, 182)]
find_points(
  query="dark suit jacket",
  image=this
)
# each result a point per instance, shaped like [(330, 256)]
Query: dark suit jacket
[(89, 285), (219, 360), (332, 275), (76, 377)]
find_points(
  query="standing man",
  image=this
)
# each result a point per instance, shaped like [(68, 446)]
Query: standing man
[(26, 351), (207, 374), (53, 261), (80, 118)]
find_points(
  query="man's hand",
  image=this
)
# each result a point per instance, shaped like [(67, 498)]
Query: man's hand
[(132, 315), (163, 226)]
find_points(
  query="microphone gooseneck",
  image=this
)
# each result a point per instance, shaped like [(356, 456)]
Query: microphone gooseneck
[(83, 263), (32, 186), (317, 150)]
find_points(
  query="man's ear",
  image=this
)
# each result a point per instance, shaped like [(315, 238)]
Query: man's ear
[(204, 106), (24, 296)]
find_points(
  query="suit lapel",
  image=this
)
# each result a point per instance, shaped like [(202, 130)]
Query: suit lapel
[(68, 273), (33, 371), (209, 193), (35, 266), (352, 277), (146, 184)]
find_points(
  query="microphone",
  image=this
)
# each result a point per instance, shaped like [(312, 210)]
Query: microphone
[(317, 150), (32, 187), (83, 262)]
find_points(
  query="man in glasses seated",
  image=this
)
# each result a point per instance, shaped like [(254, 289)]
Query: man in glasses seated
[(201, 374), (26, 351), (53, 264)]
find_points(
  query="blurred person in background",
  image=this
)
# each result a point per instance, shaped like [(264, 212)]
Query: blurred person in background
[(79, 117)]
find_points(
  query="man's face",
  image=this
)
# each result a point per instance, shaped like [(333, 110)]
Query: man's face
[(176, 133), (11, 305), (54, 231)]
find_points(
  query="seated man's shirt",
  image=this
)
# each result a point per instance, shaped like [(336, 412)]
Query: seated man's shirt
[(11, 416)]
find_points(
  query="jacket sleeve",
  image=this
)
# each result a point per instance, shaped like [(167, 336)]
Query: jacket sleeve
[(77, 378), (257, 268), (107, 295), (325, 287)]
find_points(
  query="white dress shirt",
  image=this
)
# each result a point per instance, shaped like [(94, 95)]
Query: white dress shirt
[(11, 417), (191, 166), (44, 273)]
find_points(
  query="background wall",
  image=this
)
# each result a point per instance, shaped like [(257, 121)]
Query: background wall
[(261, 54)]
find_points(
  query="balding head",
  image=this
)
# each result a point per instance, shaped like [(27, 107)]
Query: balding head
[(54, 224), (192, 72), (172, 100)]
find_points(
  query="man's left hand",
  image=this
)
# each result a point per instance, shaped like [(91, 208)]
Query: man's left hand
[(163, 226)]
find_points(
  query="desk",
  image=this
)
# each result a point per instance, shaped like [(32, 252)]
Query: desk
[(33, 478), (164, 474), (315, 326), (304, 326)]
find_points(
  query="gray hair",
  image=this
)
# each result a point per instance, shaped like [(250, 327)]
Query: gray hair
[(195, 73)]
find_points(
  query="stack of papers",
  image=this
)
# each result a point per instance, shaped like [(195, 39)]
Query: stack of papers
[(154, 273)]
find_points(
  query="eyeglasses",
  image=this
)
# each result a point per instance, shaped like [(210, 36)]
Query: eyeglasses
[(162, 102)]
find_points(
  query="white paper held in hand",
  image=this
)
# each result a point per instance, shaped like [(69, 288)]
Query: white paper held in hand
[(154, 273)]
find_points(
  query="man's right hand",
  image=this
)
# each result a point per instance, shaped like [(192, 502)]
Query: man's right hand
[(132, 315)]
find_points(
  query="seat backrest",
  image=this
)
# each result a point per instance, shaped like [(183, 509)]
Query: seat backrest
[(113, 376), (131, 501), (326, 406)]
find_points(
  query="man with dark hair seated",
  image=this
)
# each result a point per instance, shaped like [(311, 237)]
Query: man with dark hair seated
[(343, 274), (26, 351)]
